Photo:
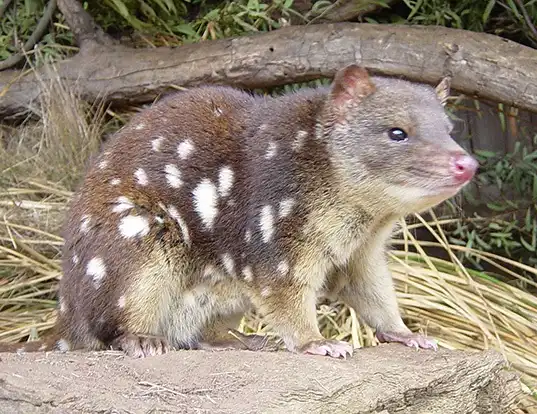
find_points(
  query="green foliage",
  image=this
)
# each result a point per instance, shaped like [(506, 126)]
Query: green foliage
[(18, 24), (494, 16), (509, 227), (191, 20)]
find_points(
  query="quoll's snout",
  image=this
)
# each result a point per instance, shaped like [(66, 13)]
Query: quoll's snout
[(463, 167)]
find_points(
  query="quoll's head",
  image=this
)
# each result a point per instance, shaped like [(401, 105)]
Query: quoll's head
[(394, 136)]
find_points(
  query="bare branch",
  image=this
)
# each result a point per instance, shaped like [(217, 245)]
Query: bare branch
[(383, 379), (346, 10), (83, 26), (479, 64)]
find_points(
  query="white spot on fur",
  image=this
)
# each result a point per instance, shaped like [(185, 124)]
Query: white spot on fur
[(229, 264), (209, 271), (132, 226), (84, 224), (115, 181), (184, 149), (248, 236), (265, 292), (212, 274), (231, 202), (140, 126), (299, 140), (248, 274), (62, 345), (75, 259), (182, 224), (283, 267), (189, 300), (173, 175), (157, 143), (205, 200), (141, 176), (103, 164), (225, 181), (266, 223), (218, 112), (285, 207), (96, 270), (63, 308), (122, 204), (271, 151), (121, 301), (159, 219)]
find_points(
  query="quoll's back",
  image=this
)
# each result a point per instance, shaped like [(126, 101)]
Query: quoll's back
[(214, 201)]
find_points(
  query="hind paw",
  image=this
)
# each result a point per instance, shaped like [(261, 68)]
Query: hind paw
[(141, 346), (411, 339), (335, 349)]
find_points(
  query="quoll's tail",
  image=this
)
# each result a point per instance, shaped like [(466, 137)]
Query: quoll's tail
[(47, 344)]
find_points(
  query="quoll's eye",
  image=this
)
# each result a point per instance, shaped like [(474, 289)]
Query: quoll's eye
[(397, 134)]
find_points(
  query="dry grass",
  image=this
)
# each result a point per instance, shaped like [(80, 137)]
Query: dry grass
[(41, 163)]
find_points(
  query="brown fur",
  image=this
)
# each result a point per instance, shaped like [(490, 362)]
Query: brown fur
[(328, 150)]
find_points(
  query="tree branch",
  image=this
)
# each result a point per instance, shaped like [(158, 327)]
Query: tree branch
[(386, 379), (86, 31), (481, 65), (346, 10)]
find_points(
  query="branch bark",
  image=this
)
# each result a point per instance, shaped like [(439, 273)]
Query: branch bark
[(86, 31), (481, 65), (347, 10), (380, 380)]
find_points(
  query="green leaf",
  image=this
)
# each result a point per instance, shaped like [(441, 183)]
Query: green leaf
[(488, 9), (187, 30), (120, 7), (527, 246), (485, 153), (415, 9), (245, 25), (496, 207)]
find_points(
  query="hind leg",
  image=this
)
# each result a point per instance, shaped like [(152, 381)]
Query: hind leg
[(222, 333)]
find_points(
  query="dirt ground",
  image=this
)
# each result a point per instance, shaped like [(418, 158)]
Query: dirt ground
[(380, 379)]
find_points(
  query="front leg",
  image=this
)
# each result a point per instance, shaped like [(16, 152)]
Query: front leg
[(370, 291), (291, 311)]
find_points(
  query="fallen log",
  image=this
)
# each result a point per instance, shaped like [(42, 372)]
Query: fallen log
[(481, 65), (385, 379)]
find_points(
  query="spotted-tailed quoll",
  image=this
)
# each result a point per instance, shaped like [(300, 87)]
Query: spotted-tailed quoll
[(214, 201)]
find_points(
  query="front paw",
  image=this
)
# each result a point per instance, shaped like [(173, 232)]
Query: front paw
[(409, 339), (335, 349)]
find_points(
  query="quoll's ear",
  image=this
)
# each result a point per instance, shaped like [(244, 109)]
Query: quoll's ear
[(351, 83), (442, 90)]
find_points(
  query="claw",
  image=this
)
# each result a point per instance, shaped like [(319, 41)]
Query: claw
[(141, 346), (332, 348), (409, 339)]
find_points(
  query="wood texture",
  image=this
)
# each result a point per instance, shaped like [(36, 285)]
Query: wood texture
[(386, 379), (483, 65)]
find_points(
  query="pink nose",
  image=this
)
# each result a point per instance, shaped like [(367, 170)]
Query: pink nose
[(463, 167)]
